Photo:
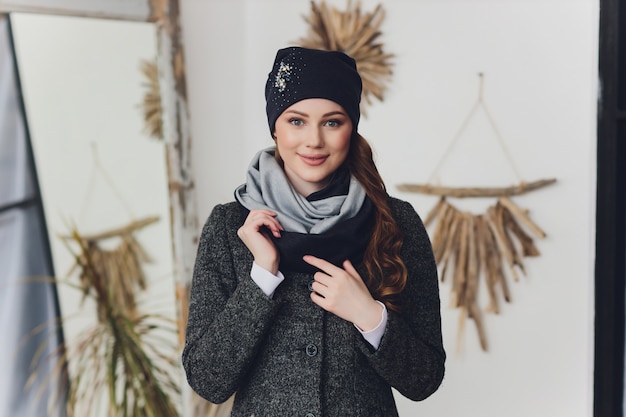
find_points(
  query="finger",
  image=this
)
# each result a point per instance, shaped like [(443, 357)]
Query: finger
[(262, 228), (318, 299), (256, 214), (258, 220), (350, 269), (321, 264), (264, 212), (322, 278), (319, 288), (274, 227)]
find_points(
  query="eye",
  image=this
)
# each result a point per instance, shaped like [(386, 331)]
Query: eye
[(333, 123), (296, 122)]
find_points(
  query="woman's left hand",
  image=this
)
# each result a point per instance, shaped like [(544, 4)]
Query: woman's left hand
[(343, 293)]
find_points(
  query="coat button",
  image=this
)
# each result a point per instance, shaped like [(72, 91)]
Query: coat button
[(309, 415), (311, 349), (311, 285)]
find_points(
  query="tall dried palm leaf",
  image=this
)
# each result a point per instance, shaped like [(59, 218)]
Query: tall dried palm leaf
[(151, 104), (355, 33)]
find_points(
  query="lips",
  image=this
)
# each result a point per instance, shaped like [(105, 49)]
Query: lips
[(313, 160)]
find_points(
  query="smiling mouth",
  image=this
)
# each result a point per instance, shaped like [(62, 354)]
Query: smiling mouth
[(313, 159)]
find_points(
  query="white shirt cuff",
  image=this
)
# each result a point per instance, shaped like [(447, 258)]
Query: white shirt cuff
[(374, 336), (267, 281)]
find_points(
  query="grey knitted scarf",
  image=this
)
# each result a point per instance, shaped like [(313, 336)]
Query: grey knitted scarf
[(267, 187)]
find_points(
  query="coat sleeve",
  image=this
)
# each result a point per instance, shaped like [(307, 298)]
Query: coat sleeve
[(229, 315), (411, 356)]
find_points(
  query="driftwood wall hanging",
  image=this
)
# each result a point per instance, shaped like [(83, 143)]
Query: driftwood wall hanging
[(490, 245), (356, 34)]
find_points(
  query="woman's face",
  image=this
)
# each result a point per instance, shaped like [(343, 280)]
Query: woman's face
[(313, 139)]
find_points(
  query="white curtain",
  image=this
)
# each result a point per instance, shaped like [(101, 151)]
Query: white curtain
[(29, 328)]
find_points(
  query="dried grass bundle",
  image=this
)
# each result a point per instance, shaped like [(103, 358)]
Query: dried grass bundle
[(151, 105), (119, 269), (356, 34), (126, 360)]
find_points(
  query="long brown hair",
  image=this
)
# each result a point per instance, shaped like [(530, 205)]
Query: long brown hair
[(386, 272)]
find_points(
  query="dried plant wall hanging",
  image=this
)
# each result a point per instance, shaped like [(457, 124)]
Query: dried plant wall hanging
[(119, 268), (127, 360), (356, 34), (488, 247), (151, 105), (125, 363)]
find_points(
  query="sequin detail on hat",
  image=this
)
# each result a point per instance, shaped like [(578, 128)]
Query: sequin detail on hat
[(283, 75)]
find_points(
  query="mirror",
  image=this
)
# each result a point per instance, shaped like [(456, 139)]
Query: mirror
[(98, 170)]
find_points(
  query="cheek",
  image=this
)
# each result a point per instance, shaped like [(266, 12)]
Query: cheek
[(284, 137), (283, 141), (343, 143)]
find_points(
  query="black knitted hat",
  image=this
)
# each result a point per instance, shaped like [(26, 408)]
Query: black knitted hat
[(301, 73)]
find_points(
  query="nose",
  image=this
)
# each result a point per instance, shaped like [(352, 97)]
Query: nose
[(315, 138)]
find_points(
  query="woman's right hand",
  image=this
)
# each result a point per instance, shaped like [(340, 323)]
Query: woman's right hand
[(254, 234)]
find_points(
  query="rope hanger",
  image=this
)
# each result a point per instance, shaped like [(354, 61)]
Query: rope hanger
[(134, 224), (119, 268), (463, 192)]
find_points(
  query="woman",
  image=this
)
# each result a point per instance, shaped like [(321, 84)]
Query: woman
[(315, 292)]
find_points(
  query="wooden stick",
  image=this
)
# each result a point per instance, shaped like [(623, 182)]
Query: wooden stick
[(435, 212), (473, 275), (517, 259), (455, 253), (492, 221), (474, 312), (501, 276), (443, 231), (522, 216), (502, 241), (452, 242), (495, 260), (473, 263), (528, 246), (484, 256), (134, 225), (460, 265), (462, 192)]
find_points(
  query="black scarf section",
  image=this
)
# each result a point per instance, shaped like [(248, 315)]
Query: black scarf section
[(346, 240)]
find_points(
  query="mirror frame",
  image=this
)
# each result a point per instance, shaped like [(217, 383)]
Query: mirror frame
[(165, 14)]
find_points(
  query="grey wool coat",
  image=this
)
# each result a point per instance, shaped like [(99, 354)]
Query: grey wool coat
[(285, 356)]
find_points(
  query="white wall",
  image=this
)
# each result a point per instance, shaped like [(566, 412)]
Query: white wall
[(540, 65)]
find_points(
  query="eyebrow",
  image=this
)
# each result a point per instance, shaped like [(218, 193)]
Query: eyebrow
[(332, 113)]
